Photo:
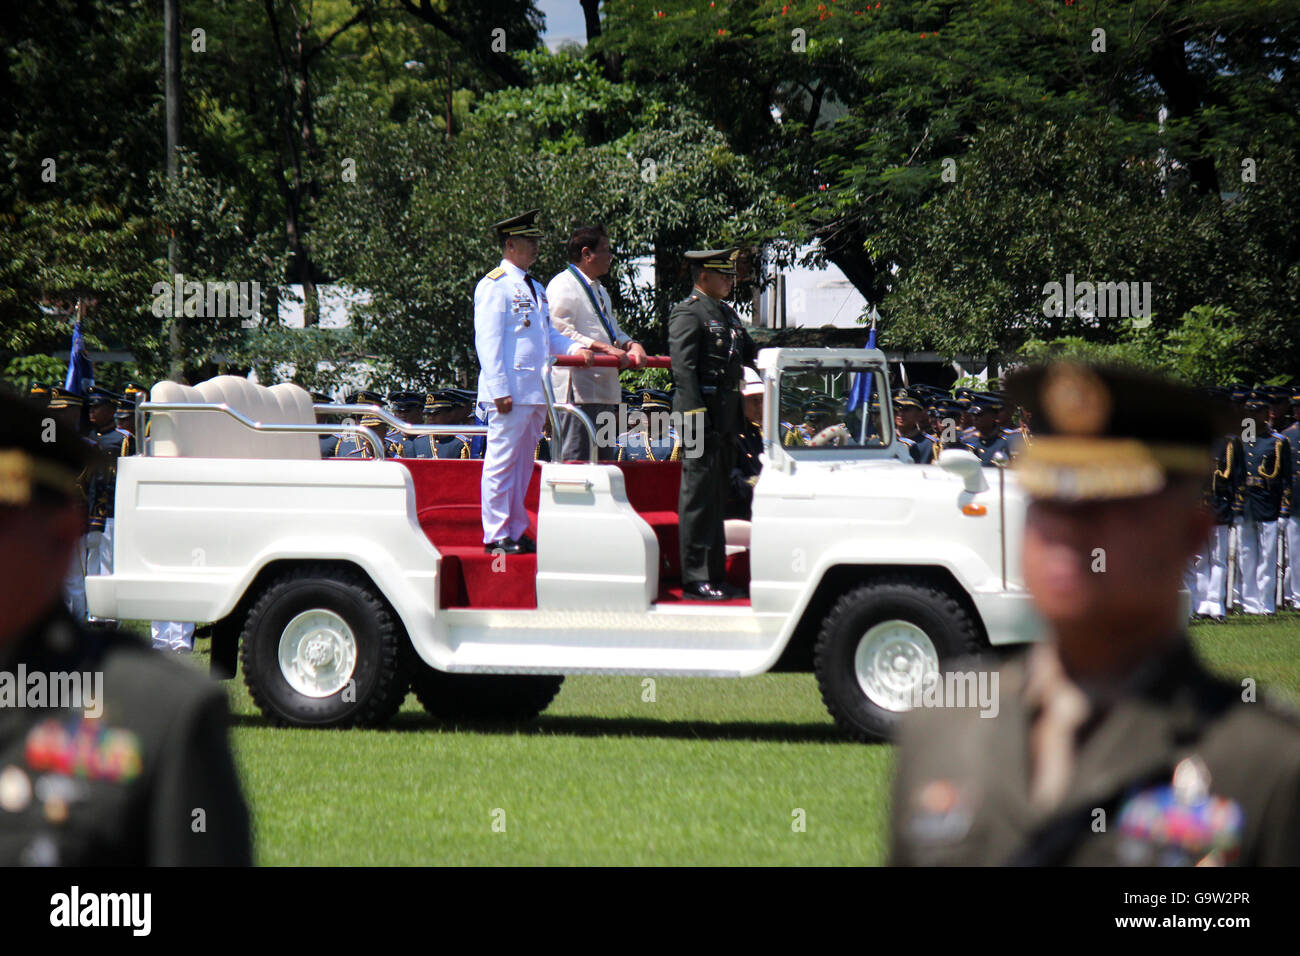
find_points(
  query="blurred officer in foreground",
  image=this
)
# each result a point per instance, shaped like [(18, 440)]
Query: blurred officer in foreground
[(1113, 712), (137, 771)]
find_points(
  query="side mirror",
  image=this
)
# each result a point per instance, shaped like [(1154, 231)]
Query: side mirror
[(967, 467)]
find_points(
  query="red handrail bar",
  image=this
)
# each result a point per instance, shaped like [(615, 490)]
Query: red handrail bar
[(610, 361)]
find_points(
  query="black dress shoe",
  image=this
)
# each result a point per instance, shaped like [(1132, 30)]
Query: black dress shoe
[(703, 591), (527, 545), (505, 546)]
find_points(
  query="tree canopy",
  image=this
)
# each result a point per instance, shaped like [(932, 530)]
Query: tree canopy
[(952, 159)]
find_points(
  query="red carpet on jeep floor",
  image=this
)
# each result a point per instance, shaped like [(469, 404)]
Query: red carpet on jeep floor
[(447, 508)]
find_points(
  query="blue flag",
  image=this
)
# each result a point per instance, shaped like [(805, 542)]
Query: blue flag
[(860, 391), (81, 374)]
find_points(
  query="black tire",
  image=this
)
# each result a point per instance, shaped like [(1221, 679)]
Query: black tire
[(904, 597), (378, 680), (483, 698)]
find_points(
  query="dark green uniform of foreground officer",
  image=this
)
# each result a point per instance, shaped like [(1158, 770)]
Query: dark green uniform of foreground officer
[(1111, 744), (709, 349), (140, 772)]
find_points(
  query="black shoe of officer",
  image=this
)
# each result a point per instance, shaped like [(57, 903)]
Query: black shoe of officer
[(527, 545), (703, 591), (505, 546)]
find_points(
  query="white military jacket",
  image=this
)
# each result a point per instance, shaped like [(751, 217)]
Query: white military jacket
[(513, 336)]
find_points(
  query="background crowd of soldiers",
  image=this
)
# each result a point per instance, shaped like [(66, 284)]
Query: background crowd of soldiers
[(1249, 562)]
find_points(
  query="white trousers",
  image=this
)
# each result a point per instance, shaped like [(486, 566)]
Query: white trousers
[(1209, 596), (106, 548), (99, 550), (1258, 566), (172, 635), (1291, 590), (74, 581), (507, 469)]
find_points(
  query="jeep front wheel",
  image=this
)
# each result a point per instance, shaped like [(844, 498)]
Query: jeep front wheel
[(877, 645), (320, 649)]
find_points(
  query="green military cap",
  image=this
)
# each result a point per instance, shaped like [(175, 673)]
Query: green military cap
[(719, 260), (524, 224), (320, 398), (1102, 433)]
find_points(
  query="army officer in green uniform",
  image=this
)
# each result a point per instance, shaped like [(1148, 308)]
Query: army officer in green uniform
[(1111, 745), (135, 770), (709, 349)]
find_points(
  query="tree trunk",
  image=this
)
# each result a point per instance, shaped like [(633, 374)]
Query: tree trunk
[(172, 92)]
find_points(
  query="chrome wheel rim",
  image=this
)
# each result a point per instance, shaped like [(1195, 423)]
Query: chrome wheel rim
[(891, 661), (318, 653)]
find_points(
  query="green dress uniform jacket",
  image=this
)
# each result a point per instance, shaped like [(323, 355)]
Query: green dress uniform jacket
[(709, 349), (961, 791), (149, 781)]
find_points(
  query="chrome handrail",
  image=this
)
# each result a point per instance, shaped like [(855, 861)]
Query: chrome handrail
[(364, 432), (552, 405), (405, 427)]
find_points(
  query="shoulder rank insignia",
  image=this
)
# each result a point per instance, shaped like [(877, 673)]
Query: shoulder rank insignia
[(496, 273)]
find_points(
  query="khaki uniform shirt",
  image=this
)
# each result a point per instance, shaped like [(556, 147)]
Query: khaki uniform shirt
[(963, 782)]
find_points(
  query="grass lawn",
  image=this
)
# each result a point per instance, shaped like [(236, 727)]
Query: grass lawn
[(710, 772)]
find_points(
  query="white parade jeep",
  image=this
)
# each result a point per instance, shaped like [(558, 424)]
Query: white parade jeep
[(341, 583)]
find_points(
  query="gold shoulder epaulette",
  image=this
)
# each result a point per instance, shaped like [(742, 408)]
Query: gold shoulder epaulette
[(496, 273)]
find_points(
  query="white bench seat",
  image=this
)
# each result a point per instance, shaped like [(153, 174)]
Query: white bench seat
[(207, 434)]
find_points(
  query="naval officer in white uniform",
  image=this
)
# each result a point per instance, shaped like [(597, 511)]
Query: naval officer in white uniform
[(514, 340)]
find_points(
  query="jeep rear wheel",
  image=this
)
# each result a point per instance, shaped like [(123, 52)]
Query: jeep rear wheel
[(877, 646), (321, 649), (488, 698)]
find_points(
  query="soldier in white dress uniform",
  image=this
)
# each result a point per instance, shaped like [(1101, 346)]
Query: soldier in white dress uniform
[(514, 340)]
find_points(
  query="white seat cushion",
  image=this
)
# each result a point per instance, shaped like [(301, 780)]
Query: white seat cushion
[(215, 435)]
